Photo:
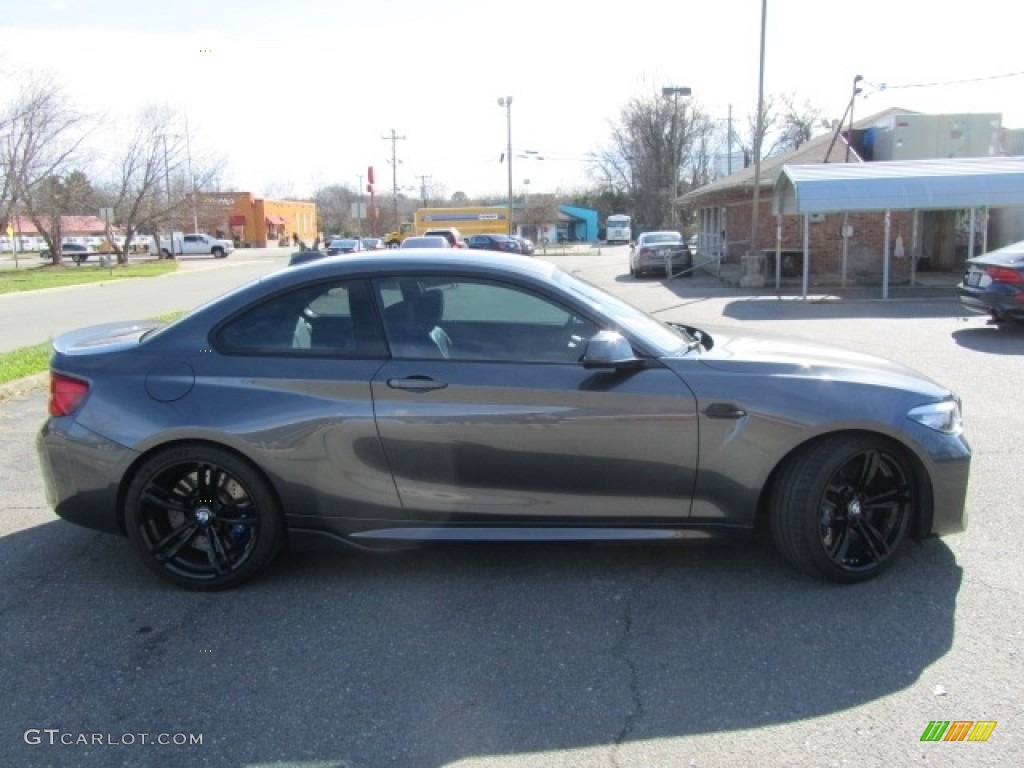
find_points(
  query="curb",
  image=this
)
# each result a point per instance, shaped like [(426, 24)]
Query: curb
[(24, 385)]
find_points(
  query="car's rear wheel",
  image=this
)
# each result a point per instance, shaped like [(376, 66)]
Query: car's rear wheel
[(841, 507), (202, 517)]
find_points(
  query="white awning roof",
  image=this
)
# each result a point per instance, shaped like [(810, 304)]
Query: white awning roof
[(995, 182)]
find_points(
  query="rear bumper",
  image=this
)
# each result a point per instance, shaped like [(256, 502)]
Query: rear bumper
[(657, 263), (82, 472), (1003, 303)]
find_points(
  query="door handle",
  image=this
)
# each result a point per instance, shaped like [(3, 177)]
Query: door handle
[(724, 411), (416, 384)]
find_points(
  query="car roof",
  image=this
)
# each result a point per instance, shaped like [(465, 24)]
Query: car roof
[(440, 260)]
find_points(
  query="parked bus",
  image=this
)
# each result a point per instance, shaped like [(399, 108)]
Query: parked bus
[(617, 229)]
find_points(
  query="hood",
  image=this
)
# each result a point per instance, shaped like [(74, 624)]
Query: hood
[(783, 356), (103, 338)]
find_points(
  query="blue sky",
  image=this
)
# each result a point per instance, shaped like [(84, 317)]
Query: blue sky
[(300, 93)]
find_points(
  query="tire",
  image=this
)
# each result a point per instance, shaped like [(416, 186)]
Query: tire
[(202, 518), (218, 253), (842, 506)]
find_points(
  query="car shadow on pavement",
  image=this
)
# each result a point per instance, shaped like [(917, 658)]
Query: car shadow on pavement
[(428, 656), (993, 339)]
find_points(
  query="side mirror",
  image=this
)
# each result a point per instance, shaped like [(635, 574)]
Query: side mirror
[(608, 349)]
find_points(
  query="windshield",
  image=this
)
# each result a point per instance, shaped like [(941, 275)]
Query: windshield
[(667, 340)]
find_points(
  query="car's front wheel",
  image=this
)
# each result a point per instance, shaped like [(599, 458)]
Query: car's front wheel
[(841, 507), (202, 517)]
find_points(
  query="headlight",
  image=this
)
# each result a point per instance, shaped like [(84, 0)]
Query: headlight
[(942, 417)]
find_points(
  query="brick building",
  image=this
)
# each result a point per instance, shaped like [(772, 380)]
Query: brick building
[(256, 221), (919, 239)]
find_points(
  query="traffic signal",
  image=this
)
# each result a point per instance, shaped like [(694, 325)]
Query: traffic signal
[(369, 174)]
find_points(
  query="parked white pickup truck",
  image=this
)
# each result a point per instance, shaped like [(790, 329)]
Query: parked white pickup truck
[(180, 244)]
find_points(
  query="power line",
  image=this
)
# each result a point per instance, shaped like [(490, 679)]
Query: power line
[(888, 87)]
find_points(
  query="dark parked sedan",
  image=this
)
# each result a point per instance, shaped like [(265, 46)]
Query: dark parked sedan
[(994, 284), (344, 245), (493, 243), (383, 400)]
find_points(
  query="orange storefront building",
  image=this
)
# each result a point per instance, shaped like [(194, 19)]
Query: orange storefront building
[(254, 221)]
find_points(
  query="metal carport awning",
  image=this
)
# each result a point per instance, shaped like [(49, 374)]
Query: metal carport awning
[(940, 184)]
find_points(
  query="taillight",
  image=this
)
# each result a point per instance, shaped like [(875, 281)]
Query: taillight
[(66, 394), (1004, 275)]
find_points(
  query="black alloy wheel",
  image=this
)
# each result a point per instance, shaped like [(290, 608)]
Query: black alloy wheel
[(202, 518), (842, 508)]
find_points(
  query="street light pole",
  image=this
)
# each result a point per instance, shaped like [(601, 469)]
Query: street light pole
[(506, 102), (849, 132), (675, 92)]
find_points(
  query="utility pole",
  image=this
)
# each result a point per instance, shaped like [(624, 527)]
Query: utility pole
[(192, 178), (394, 138), (423, 188), (505, 102), (753, 276)]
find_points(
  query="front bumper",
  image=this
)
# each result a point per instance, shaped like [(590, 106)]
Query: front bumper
[(947, 460)]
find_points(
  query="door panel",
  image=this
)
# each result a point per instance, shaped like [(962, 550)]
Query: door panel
[(536, 442)]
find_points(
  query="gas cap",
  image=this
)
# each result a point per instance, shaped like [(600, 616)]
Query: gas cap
[(170, 380)]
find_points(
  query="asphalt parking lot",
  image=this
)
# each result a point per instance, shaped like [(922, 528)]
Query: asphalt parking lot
[(544, 655)]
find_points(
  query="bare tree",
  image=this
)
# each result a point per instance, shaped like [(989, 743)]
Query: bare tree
[(796, 124), (787, 126), (659, 148), (44, 136), (540, 212), (748, 138), (334, 209), (141, 191)]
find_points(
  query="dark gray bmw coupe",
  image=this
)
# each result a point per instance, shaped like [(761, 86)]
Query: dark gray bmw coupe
[(378, 401)]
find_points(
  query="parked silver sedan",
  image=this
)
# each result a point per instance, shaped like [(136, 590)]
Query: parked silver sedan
[(381, 400), (664, 253)]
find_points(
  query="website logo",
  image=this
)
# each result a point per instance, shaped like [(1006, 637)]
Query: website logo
[(958, 730)]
